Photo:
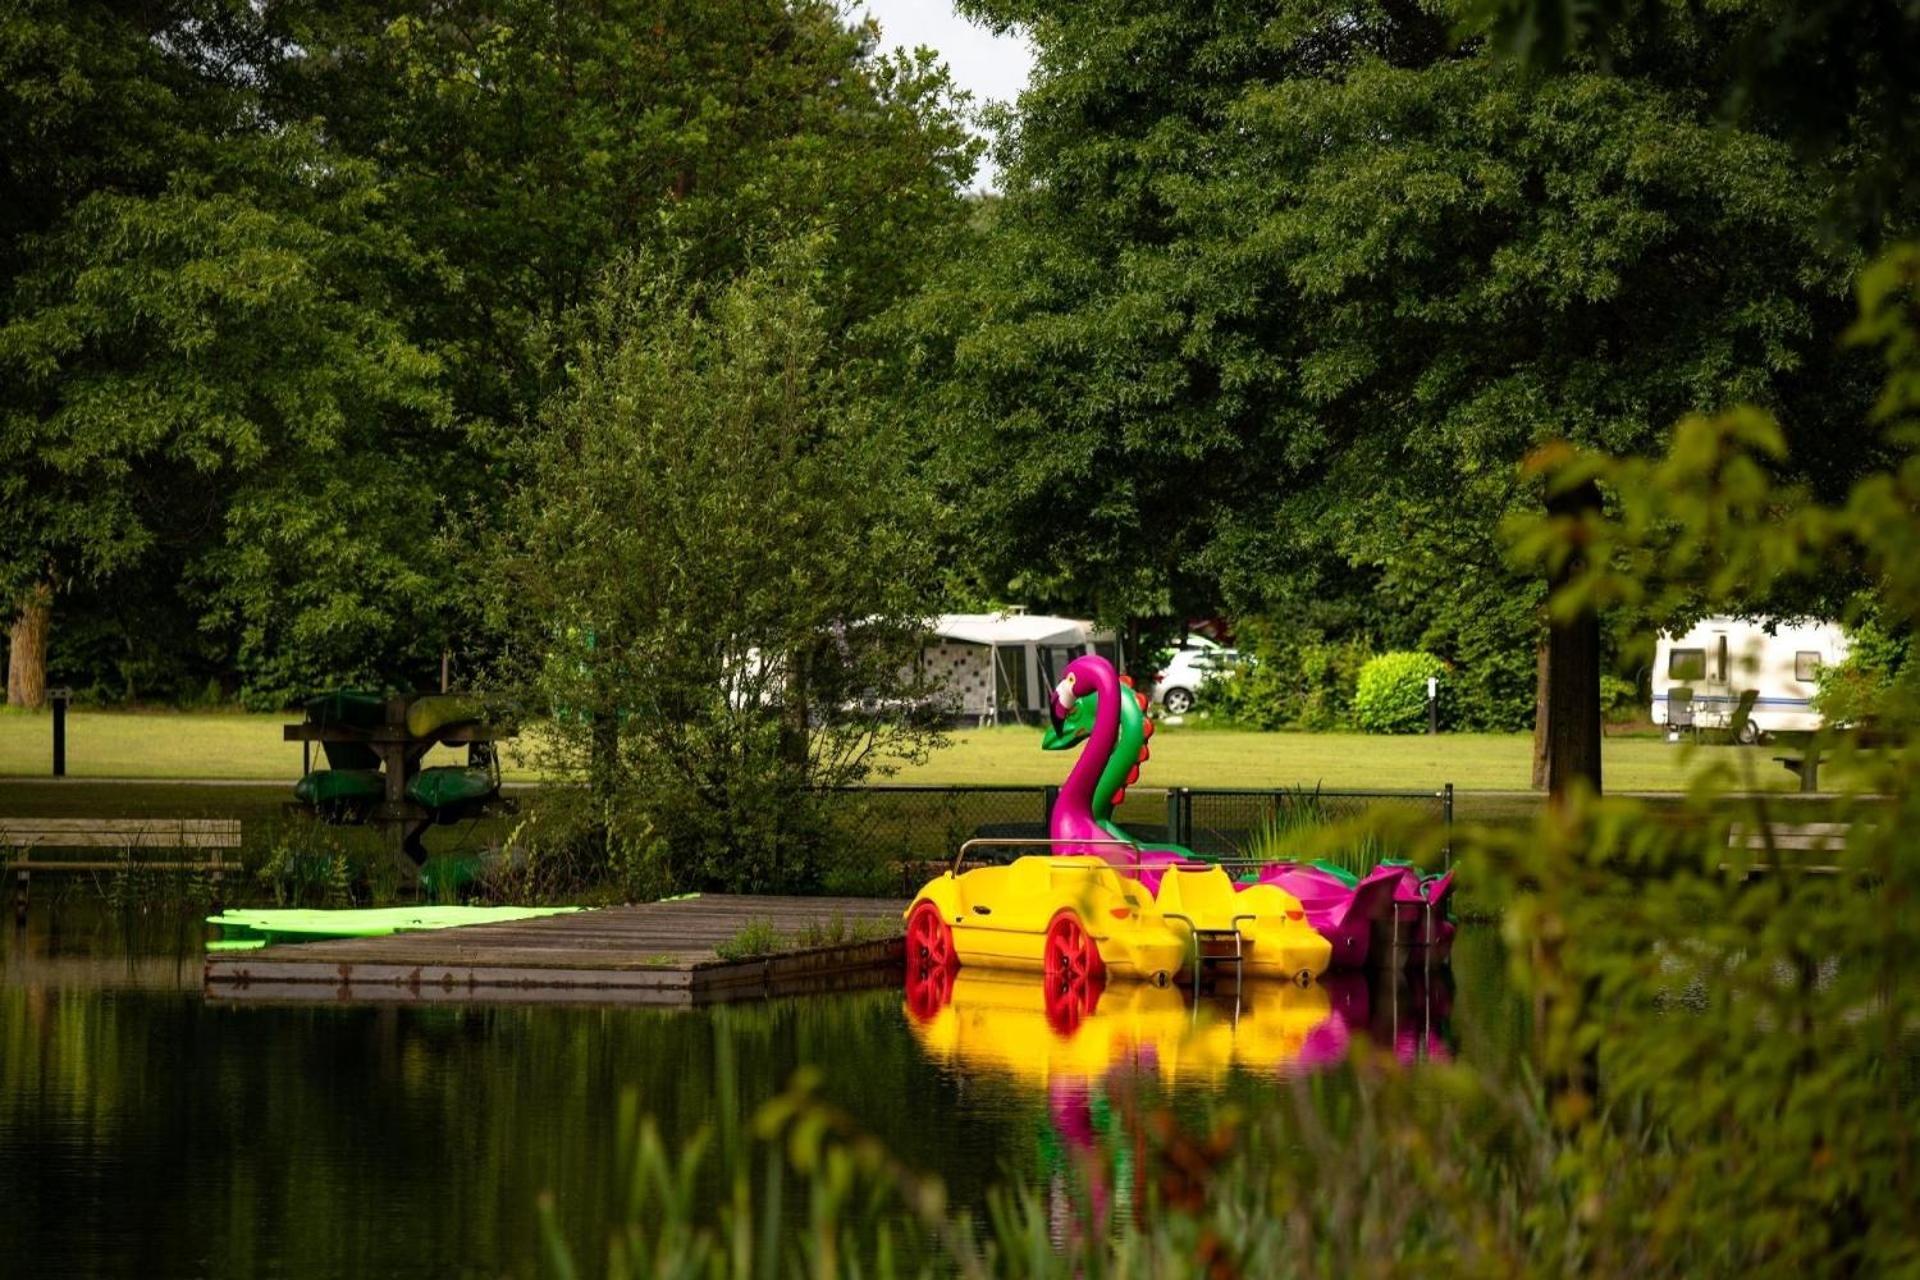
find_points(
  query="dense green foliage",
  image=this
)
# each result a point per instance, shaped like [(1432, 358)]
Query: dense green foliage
[(527, 145), (1853, 690), (714, 576), (1279, 295), (278, 283), (1225, 341), (1290, 679), (1391, 693)]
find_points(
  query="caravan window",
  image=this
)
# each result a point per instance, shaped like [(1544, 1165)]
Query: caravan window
[(1687, 664), (1806, 666)]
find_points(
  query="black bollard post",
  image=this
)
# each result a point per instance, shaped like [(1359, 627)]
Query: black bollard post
[(60, 698)]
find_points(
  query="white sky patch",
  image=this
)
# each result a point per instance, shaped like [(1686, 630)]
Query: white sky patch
[(992, 68)]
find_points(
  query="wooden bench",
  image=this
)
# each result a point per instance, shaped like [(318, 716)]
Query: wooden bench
[(127, 835), (1810, 837)]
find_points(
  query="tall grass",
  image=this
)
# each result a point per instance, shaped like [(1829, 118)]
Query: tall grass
[(1362, 1176), (1304, 825)]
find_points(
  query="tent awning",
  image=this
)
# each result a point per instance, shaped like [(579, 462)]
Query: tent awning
[(1011, 629)]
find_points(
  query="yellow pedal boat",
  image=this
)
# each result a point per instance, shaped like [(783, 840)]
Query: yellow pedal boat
[(1079, 918)]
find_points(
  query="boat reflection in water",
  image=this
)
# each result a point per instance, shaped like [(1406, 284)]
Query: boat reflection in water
[(1084, 1046), (1012, 1024)]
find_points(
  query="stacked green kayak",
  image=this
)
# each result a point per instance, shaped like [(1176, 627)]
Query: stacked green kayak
[(428, 715), (257, 927), (352, 785), (449, 786), (325, 788), (352, 709)]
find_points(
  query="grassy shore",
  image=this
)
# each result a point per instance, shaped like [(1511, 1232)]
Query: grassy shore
[(162, 745)]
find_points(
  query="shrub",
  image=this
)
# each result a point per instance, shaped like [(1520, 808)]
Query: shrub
[(1620, 699), (712, 698), (1392, 693), (1290, 679)]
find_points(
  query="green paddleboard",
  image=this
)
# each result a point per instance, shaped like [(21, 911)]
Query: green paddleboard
[(297, 925)]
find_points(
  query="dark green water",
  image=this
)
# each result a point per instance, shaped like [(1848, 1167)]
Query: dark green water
[(147, 1131)]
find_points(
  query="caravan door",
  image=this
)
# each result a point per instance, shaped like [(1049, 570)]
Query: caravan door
[(1715, 694)]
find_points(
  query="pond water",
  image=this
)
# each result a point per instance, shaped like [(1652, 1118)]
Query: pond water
[(146, 1130)]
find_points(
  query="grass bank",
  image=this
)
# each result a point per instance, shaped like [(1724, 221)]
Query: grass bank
[(1187, 757), (237, 746)]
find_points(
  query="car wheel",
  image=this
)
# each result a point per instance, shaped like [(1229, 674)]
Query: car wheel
[(1178, 701)]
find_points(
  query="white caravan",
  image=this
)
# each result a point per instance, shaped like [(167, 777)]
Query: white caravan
[(1722, 658)]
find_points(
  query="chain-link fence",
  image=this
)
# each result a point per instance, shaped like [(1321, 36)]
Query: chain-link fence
[(1220, 823), (889, 840)]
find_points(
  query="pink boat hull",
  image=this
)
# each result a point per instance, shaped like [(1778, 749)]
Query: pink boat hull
[(1345, 916)]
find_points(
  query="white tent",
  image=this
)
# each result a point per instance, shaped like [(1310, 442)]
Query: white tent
[(992, 662)]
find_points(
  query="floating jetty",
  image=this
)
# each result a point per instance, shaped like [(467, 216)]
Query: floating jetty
[(657, 953)]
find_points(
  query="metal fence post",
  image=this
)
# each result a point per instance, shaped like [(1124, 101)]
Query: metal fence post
[(1048, 797), (1446, 814), (60, 698)]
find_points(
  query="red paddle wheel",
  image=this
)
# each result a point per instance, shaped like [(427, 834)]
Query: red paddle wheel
[(1074, 972), (928, 991), (931, 962), (929, 941)]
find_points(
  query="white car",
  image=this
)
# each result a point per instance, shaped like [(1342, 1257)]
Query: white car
[(1176, 686)]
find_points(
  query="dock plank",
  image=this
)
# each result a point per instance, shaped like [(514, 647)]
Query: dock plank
[(650, 953)]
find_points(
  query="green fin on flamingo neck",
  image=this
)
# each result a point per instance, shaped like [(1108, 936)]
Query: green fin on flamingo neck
[(1129, 755)]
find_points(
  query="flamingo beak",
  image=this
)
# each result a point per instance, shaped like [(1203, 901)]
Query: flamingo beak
[(1062, 735), (1064, 697)]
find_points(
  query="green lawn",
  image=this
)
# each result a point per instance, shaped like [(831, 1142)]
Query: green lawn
[(160, 744), (237, 746)]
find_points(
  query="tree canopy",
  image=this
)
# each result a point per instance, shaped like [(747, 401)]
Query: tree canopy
[(278, 281), (1279, 296)]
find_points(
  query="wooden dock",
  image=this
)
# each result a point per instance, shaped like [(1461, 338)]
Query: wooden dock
[(659, 953)]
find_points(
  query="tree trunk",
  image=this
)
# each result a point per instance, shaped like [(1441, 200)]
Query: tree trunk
[(27, 650), (1540, 715), (1573, 671)]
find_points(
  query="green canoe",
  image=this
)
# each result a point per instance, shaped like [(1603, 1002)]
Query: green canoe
[(292, 925)]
